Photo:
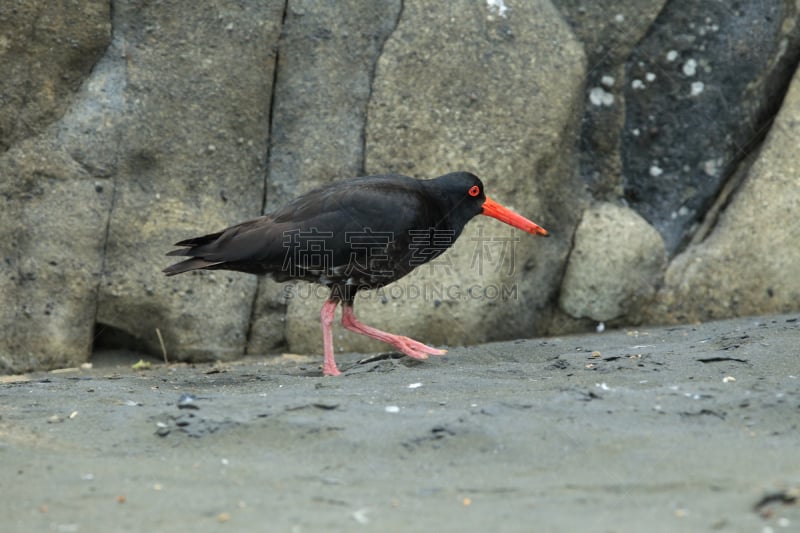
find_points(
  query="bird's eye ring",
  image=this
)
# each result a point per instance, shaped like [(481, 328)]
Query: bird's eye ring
[(474, 190)]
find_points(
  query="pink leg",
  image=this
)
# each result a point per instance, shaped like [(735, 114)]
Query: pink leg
[(326, 317), (408, 346)]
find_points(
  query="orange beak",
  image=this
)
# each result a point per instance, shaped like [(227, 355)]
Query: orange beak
[(504, 214)]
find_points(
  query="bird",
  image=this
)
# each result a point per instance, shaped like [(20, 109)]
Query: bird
[(351, 235)]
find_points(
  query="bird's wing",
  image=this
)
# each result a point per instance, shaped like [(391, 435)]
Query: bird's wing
[(322, 224), (349, 220)]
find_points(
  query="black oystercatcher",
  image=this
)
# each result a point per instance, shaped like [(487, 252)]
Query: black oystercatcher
[(354, 234)]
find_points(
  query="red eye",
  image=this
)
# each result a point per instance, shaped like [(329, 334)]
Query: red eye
[(474, 190)]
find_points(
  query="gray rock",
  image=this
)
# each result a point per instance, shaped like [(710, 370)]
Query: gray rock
[(751, 260), (51, 247), (326, 61), (609, 30), (460, 85), (615, 267), (163, 141), (198, 85), (189, 120), (46, 51), (700, 91)]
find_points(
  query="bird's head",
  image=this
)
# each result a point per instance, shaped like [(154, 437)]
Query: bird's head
[(464, 191)]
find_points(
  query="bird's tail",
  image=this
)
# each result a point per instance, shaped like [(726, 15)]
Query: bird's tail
[(194, 263)]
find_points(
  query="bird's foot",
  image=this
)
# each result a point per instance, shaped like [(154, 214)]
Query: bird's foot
[(408, 346), (415, 349), (330, 370)]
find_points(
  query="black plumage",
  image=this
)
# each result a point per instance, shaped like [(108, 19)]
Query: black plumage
[(352, 235)]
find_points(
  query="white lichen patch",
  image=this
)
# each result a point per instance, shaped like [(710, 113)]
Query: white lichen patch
[(600, 97), (712, 166), (497, 7)]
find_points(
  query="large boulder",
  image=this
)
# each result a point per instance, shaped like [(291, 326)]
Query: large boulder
[(327, 58), (632, 131), (470, 86), (164, 140), (198, 86), (701, 89), (54, 204), (609, 31), (616, 264), (750, 262), (660, 135), (52, 239), (47, 49)]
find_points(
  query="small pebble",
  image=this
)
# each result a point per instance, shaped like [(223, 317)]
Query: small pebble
[(187, 401), (360, 516)]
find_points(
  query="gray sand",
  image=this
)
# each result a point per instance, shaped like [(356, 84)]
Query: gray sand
[(666, 429)]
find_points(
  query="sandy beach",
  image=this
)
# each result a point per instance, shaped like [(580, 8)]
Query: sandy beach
[(689, 428)]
